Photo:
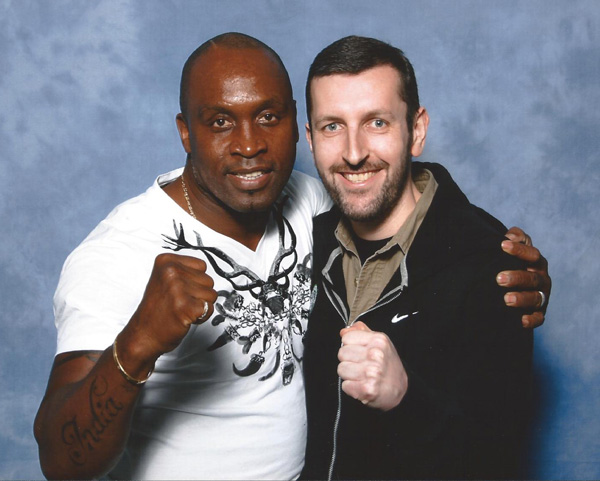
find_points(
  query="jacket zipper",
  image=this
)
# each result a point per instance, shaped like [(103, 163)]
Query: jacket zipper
[(335, 430), (339, 406)]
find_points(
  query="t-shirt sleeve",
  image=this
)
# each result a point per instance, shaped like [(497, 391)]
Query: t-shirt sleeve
[(100, 287)]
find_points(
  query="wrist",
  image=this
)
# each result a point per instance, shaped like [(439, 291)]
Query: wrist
[(131, 366)]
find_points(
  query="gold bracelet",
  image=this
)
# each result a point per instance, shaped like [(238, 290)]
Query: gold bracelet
[(127, 376)]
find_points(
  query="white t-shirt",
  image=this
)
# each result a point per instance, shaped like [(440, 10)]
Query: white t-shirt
[(228, 402)]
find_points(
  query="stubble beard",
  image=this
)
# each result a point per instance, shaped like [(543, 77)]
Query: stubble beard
[(359, 208)]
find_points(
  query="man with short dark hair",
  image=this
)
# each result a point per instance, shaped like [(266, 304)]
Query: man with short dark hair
[(227, 238), (431, 379)]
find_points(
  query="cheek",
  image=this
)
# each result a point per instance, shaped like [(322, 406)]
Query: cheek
[(209, 154), (283, 138), (206, 142), (326, 152), (389, 150)]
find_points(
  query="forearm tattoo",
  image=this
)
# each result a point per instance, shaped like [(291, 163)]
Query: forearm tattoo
[(92, 356), (82, 440)]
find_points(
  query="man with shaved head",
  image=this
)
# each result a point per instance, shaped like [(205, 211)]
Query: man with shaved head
[(227, 238), (201, 287)]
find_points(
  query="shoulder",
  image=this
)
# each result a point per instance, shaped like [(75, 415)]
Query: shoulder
[(307, 193), (301, 184), (455, 230), (146, 211), (452, 215), (130, 233)]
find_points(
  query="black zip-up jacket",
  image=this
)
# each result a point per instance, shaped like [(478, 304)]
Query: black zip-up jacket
[(467, 357)]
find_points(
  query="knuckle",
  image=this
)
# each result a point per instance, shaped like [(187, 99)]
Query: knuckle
[(379, 340), (210, 283), (369, 391), (534, 253), (515, 231), (212, 295), (201, 265), (164, 257), (373, 371), (536, 281), (180, 304), (531, 321), (163, 260), (540, 319), (170, 272), (375, 354)]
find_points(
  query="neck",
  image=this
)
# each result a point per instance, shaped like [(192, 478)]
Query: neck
[(247, 228), (387, 226)]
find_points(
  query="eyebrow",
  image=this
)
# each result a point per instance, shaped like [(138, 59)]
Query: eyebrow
[(369, 114), (327, 118)]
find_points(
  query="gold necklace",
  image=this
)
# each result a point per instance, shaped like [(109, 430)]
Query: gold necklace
[(187, 198)]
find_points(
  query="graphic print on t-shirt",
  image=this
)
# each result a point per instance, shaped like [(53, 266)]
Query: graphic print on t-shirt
[(277, 315)]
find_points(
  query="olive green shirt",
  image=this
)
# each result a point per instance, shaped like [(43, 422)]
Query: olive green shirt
[(365, 283)]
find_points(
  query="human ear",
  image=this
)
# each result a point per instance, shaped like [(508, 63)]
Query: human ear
[(184, 132), (308, 133), (420, 124)]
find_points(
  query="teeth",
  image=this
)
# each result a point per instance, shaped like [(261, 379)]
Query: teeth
[(361, 177), (251, 175)]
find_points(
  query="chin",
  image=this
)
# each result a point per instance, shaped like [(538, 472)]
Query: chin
[(374, 210), (255, 206)]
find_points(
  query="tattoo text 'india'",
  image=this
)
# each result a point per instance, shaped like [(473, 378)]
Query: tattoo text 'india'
[(104, 410)]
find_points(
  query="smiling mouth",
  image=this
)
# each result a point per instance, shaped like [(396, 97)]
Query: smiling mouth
[(357, 178), (250, 175)]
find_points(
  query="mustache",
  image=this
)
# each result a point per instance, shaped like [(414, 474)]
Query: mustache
[(365, 166)]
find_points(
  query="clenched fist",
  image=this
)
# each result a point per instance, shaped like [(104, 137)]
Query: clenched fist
[(370, 368), (178, 294)]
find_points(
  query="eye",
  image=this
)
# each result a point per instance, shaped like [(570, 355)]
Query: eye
[(333, 127), (268, 118), (221, 123), (378, 123)]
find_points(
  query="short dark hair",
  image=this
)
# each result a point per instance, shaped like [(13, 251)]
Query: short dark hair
[(233, 40), (354, 55)]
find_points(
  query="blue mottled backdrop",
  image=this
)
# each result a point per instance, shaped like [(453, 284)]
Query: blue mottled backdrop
[(88, 96)]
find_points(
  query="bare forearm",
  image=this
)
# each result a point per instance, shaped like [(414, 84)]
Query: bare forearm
[(84, 420), (82, 428)]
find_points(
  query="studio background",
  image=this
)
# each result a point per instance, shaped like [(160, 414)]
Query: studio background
[(88, 97)]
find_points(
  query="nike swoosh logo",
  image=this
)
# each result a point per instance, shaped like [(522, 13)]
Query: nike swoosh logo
[(398, 317)]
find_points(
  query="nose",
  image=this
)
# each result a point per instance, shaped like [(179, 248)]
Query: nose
[(248, 140), (356, 149)]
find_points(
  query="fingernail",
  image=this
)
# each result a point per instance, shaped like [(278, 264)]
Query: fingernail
[(510, 299), (506, 244), (502, 279)]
